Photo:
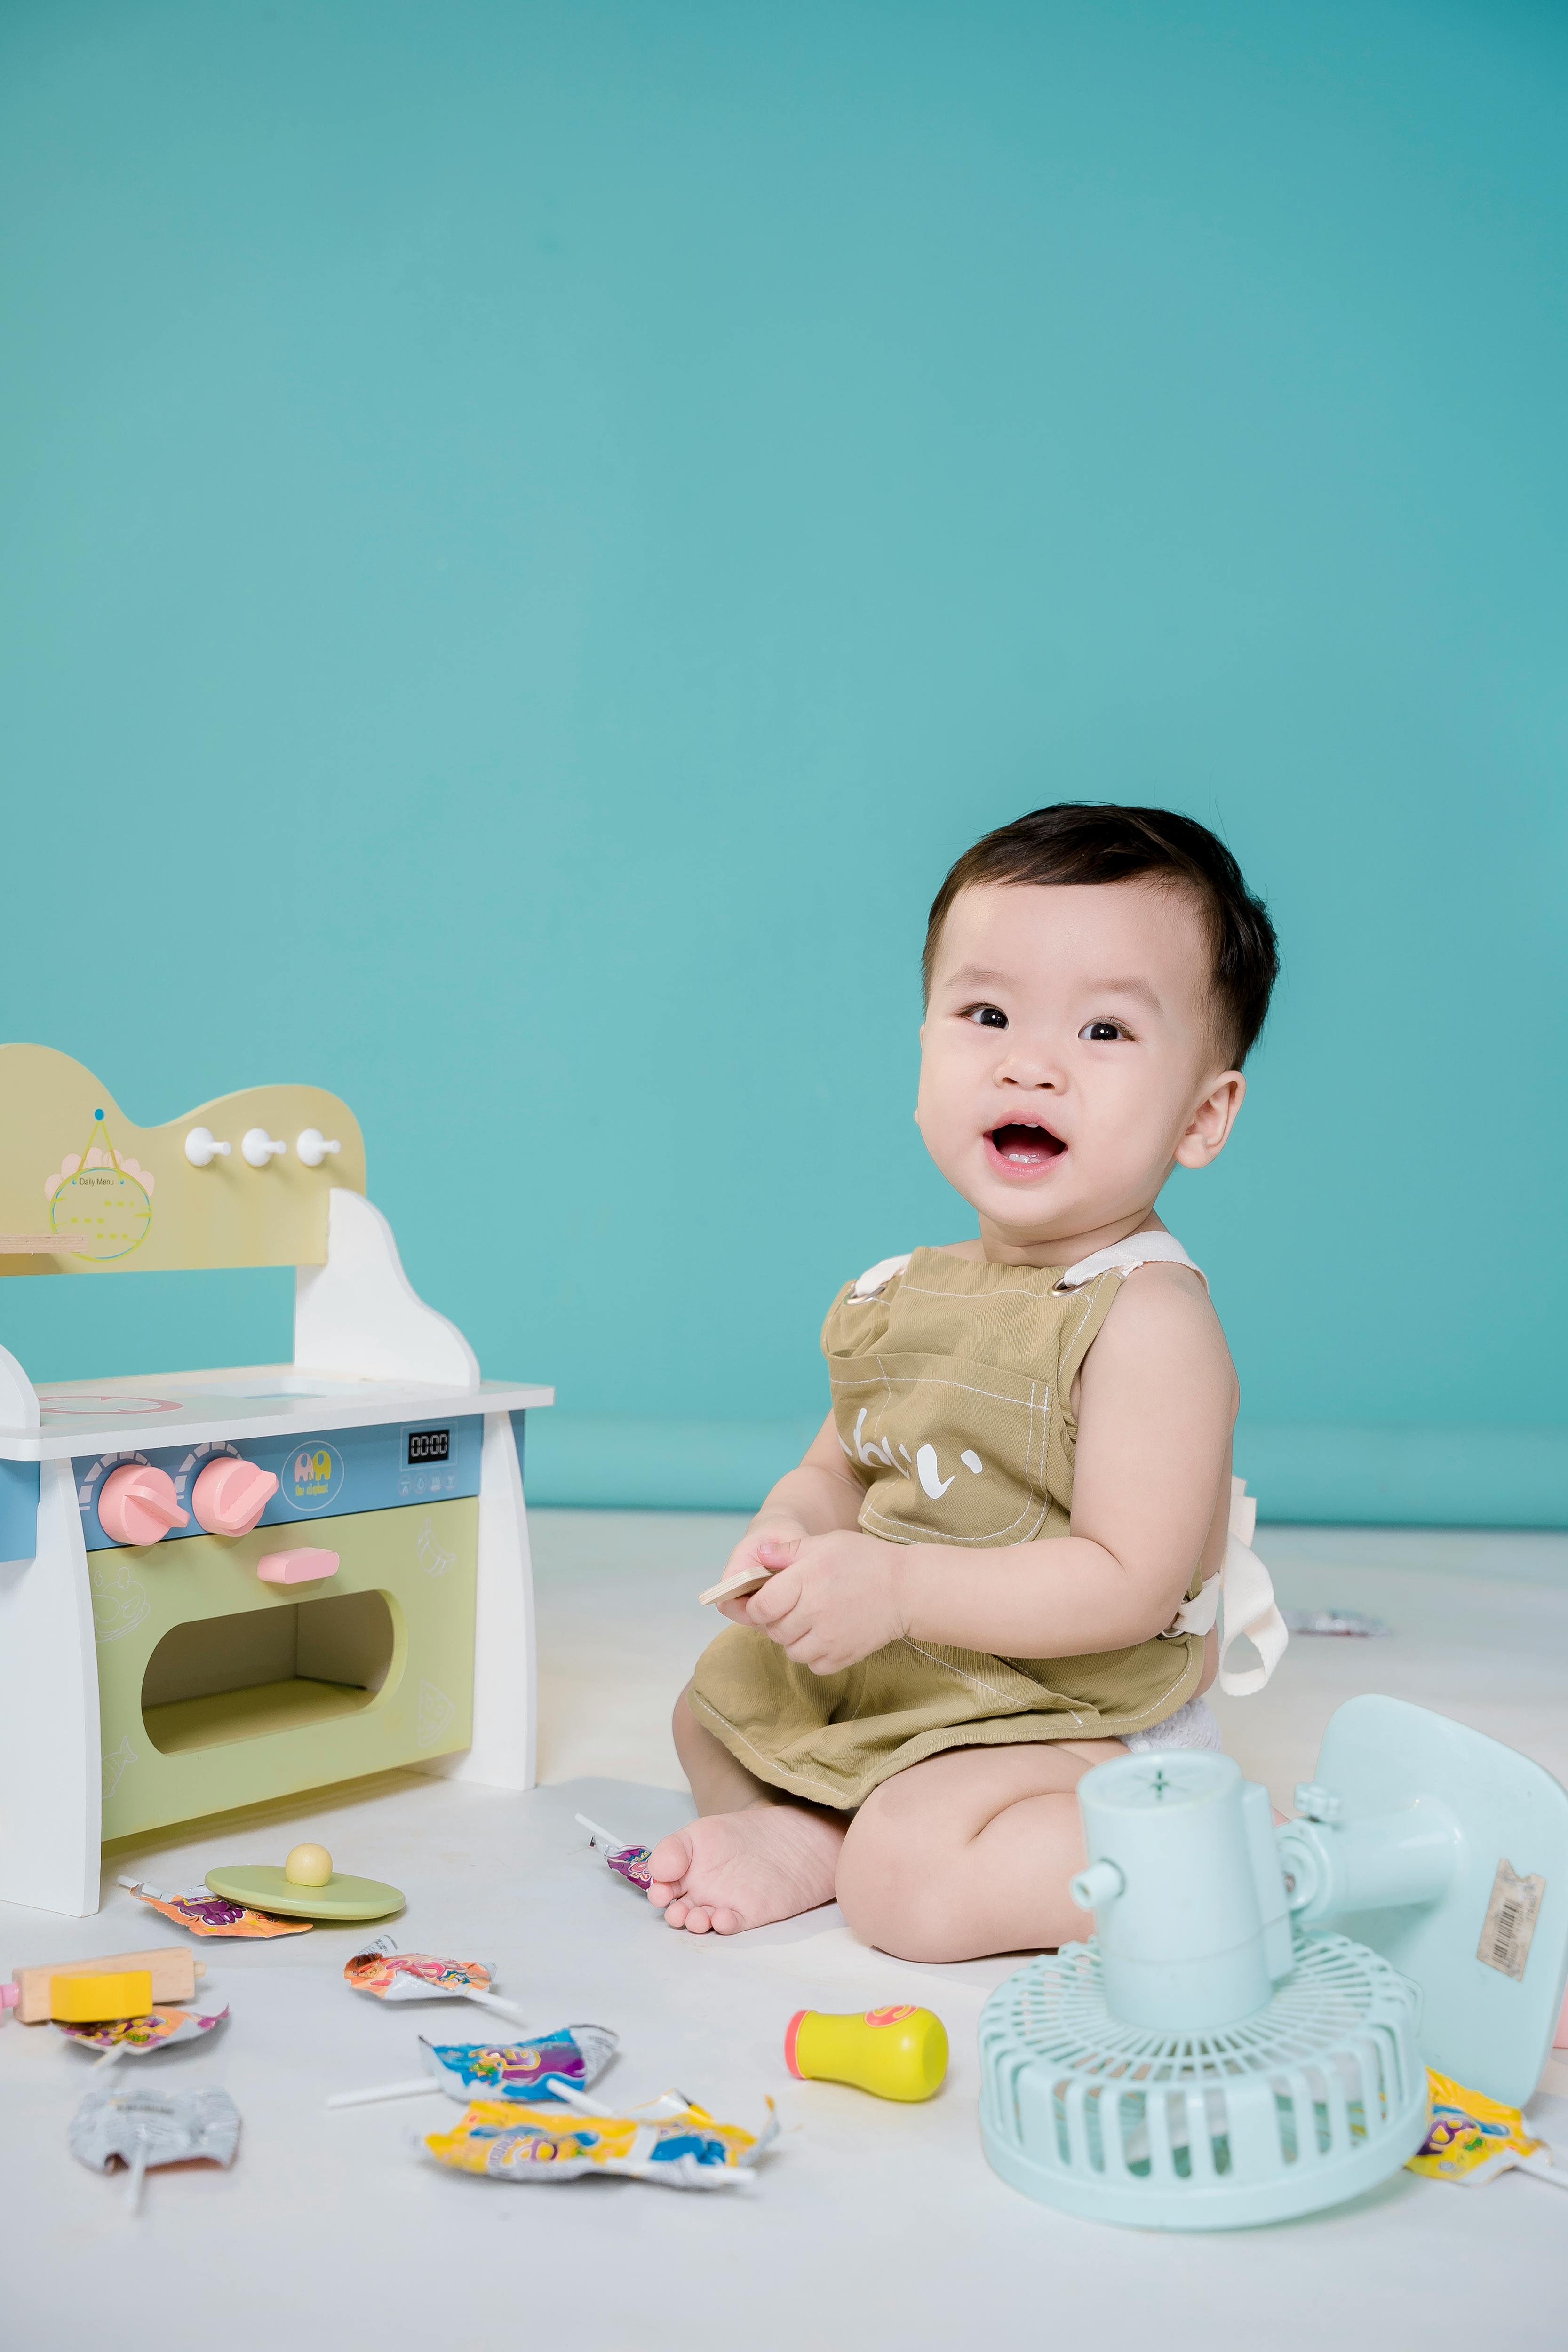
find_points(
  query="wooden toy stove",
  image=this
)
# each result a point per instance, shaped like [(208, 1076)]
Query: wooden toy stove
[(221, 1587)]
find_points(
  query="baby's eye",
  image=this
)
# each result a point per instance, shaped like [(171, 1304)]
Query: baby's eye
[(1102, 1033), (986, 1016)]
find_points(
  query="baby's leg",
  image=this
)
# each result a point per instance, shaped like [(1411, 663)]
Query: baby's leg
[(971, 1852), (752, 1855)]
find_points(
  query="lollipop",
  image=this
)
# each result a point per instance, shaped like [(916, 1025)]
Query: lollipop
[(205, 1913), (138, 2037), (573, 2055), (628, 1862), (142, 2128), (392, 1975), (672, 2142)]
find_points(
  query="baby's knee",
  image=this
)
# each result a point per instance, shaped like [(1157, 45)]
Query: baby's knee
[(890, 1888), (684, 1726)]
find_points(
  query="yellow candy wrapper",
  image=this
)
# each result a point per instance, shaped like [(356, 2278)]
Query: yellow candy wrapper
[(1473, 2138), (673, 2143)]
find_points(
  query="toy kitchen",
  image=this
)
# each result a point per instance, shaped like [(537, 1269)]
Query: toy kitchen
[(222, 1587)]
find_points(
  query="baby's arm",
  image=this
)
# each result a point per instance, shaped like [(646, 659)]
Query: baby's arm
[(821, 1494), (1150, 1494), (1151, 1498)]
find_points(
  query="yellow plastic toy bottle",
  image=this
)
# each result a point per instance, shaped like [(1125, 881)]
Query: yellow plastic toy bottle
[(898, 2053)]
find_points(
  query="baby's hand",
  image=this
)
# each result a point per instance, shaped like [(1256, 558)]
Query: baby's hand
[(767, 1545), (839, 1599)]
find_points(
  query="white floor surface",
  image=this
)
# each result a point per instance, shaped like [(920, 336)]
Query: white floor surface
[(874, 2225)]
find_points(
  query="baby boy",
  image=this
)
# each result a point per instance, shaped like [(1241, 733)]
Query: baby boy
[(987, 1573)]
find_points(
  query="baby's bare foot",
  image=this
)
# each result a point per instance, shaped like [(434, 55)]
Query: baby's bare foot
[(730, 1871)]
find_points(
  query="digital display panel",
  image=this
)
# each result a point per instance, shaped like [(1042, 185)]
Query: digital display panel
[(429, 1445)]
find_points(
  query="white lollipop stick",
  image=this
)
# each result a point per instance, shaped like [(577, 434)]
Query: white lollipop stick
[(409, 2089), (570, 2096), (668, 2102), (138, 2175), (493, 2000), (109, 2058), (605, 1837)]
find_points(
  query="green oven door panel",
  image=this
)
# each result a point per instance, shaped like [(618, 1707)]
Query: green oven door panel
[(252, 1697)]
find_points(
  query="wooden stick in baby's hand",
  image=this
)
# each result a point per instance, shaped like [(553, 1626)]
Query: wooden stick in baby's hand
[(744, 1581)]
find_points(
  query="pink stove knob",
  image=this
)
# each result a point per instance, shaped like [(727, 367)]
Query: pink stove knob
[(229, 1496), (137, 1504)]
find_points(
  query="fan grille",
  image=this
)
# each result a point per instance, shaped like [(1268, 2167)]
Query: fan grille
[(1313, 2098)]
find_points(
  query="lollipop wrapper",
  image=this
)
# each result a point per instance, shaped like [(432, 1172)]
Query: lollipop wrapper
[(513, 2071), (628, 1862), (171, 2127), (206, 1914), (138, 2036), (684, 2150), (1471, 2136), (415, 1976)]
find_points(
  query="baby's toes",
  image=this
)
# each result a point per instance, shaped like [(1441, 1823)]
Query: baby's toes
[(669, 1861), (699, 1919), (675, 1910)]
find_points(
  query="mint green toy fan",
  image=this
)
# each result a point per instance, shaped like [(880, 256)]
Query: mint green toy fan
[(1206, 2063)]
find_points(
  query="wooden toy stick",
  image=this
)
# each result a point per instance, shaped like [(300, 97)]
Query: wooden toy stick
[(746, 1579), (410, 2089), (173, 1968)]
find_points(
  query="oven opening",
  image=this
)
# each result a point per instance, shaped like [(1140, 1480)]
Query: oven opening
[(217, 1679)]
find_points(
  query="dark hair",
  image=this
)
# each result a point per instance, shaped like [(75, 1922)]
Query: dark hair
[(1096, 840)]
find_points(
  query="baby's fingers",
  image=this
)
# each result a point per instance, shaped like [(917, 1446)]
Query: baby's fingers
[(777, 1596), (776, 1551)]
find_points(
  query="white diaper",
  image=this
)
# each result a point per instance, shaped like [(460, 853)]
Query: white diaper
[(1193, 1726)]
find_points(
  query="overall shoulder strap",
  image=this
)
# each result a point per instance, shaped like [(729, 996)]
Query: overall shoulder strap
[(1247, 1589), (1121, 1257), (877, 1277)]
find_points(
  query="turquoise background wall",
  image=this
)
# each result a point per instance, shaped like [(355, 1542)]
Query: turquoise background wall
[(534, 533)]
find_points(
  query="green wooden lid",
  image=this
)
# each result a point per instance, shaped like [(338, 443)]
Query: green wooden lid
[(265, 1888)]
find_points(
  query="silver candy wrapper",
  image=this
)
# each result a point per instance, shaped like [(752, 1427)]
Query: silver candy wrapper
[(150, 2127)]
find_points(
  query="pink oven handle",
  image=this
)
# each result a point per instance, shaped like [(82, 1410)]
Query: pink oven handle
[(304, 1566)]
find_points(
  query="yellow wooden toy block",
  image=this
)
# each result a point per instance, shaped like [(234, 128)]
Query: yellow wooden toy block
[(87, 2001)]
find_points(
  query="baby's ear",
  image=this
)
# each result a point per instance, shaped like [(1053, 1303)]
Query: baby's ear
[(1208, 1131)]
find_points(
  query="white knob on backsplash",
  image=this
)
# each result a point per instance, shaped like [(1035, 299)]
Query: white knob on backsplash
[(313, 1147), (258, 1147), (202, 1147)]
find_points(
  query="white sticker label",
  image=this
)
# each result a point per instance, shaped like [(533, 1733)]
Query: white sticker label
[(1511, 1915)]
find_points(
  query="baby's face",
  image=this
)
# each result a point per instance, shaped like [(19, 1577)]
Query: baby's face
[(1067, 1054)]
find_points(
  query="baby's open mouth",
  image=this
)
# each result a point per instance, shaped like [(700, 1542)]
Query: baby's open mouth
[(1023, 1149)]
